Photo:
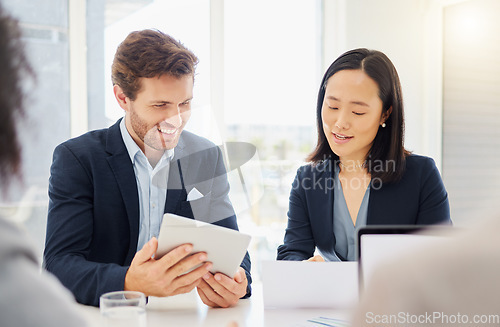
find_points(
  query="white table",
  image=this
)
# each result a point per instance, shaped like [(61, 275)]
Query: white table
[(188, 310)]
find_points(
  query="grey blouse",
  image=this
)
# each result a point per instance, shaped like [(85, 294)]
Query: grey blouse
[(343, 227)]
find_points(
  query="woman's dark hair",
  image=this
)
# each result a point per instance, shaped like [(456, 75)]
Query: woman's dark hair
[(386, 158), (14, 67)]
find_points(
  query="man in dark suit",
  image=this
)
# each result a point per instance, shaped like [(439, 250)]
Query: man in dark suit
[(109, 188)]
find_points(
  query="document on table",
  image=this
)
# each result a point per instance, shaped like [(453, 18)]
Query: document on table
[(302, 284), (325, 321)]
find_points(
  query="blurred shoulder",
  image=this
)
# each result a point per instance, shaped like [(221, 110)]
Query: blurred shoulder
[(14, 242)]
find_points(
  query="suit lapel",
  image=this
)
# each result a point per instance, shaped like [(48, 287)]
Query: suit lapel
[(326, 198), (320, 200), (119, 161)]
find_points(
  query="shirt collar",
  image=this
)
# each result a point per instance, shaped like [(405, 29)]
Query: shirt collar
[(133, 148)]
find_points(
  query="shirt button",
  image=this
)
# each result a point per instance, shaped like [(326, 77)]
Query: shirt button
[(154, 205)]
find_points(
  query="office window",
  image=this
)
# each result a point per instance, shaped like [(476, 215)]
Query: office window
[(471, 137), (271, 79)]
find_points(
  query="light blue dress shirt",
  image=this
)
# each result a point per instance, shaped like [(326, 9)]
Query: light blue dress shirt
[(343, 228), (152, 196)]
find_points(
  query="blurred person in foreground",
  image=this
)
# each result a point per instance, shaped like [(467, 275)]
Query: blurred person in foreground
[(456, 284), (28, 297), (360, 172), (110, 188)]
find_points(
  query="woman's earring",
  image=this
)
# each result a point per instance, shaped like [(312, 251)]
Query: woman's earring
[(383, 125)]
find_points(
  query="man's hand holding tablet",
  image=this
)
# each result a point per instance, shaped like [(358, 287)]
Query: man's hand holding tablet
[(224, 282), (221, 291), (170, 275)]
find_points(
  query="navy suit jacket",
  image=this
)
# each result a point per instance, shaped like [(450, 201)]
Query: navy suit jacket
[(93, 218), (419, 198)]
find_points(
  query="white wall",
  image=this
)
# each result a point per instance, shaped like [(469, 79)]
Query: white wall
[(409, 32)]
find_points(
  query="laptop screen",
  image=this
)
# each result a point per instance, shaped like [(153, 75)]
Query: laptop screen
[(379, 244)]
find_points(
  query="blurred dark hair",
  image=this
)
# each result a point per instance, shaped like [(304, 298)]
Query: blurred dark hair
[(14, 67), (387, 146), (146, 54)]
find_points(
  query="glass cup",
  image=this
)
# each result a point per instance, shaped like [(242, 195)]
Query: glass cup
[(123, 308)]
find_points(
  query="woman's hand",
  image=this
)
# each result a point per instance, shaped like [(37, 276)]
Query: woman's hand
[(316, 258)]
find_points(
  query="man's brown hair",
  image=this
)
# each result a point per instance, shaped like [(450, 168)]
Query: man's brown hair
[(147, 54)]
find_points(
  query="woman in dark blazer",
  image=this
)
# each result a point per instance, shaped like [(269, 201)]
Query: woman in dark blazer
[(360, 173)]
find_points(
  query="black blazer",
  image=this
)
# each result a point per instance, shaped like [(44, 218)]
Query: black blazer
[(93, 219), (419, 198)]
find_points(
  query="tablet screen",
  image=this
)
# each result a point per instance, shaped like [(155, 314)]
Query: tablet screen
[(225, 247)]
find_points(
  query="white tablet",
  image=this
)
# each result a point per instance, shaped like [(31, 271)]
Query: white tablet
[(225, 247)]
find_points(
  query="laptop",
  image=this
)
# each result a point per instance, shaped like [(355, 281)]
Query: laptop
[(379, 244)]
